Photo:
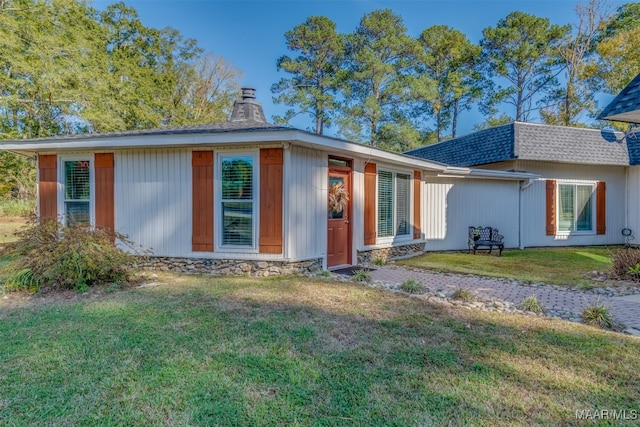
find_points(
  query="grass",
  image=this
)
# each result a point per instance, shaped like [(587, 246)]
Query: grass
[(16, 208), (8, 226), (560, 266), (294, 351)]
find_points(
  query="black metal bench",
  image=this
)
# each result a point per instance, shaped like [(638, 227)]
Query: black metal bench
[(485, 236)]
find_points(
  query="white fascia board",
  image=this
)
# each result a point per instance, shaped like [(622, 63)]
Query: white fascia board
[(458, 172), (217, 138), (628, 117)]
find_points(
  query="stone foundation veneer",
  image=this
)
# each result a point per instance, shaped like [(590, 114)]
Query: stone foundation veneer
[(231, 266), (385, 254)]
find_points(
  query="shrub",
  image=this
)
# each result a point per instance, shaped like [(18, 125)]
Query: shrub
[(462, 294), (379, 261), (531, 303), (411, 286), (626, 264), (597, 315), (48, 255), (361, 276)]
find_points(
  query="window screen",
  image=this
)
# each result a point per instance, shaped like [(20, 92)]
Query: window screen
[(385, 204), (77, 191), (393, 204), (402, 204), (575, 207), (237, 200)]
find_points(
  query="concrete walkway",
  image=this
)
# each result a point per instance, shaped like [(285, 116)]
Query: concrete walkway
[(623, 309)]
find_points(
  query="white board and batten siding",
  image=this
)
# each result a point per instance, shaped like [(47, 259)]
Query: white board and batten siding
[(452, 205), (633, 203), (153, 204), (534, 203), (305, 203), (153, 199)]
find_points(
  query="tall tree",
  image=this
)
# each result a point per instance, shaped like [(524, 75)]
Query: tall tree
[(65, 68), (205, 91), (315, 72), (451, 61), (380, 60), (519, 49), (618, 51), (568, 102), (143, 67)]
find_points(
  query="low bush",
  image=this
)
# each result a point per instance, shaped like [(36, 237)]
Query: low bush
[(597, 315), (412, 286), (462, 294), (361, 276), (626, 264), (48, 255), (379, 261), (531, 303)]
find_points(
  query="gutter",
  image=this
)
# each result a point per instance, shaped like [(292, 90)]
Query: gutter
[(458, 172)]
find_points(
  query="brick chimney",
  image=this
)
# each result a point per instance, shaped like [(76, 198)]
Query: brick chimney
[(247, 108)]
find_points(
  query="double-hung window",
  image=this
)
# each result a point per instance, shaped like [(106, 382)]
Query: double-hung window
[(77, 191), (575, 207), (394, 204), (238, 200)]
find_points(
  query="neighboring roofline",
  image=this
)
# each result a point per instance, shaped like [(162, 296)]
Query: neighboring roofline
[(606, 112), (203, 138), (462, 136)]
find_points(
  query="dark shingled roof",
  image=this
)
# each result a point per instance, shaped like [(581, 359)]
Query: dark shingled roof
[(626, 106), (478, 148), (529, 141)]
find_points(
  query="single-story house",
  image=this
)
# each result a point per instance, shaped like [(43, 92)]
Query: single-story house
[(587, 190), (249, 196)]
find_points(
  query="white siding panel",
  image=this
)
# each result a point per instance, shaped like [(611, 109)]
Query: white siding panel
[(534, 203), (153, 199), (633, 203), (453, 205), (305, 203)]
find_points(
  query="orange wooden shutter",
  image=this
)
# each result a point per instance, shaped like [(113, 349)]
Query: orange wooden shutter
[(601, 208), (551, 207), (370, 176), (105, 216), (417, 184), (202, 215), (48, 185), (271, 188)]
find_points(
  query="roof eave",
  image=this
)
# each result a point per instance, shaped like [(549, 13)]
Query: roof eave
[(210, 139)]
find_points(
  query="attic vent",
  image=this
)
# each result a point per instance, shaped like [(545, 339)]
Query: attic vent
[(247, 108)]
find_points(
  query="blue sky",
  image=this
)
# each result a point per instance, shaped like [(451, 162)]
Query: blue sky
[(250, 34)]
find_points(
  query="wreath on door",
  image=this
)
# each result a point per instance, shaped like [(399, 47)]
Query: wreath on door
[(338, 198)]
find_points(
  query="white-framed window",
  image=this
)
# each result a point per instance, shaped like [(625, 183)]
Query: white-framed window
[(77, 190), (237, 199), (394, 204), (576, 207)]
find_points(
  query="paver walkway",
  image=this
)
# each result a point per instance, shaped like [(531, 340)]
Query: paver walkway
[(626, 311)]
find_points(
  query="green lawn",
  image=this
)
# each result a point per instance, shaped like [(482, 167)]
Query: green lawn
[(8, 226), (561, 266), (294, 351)]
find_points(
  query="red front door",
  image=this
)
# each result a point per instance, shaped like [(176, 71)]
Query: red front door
[(339, 224)]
